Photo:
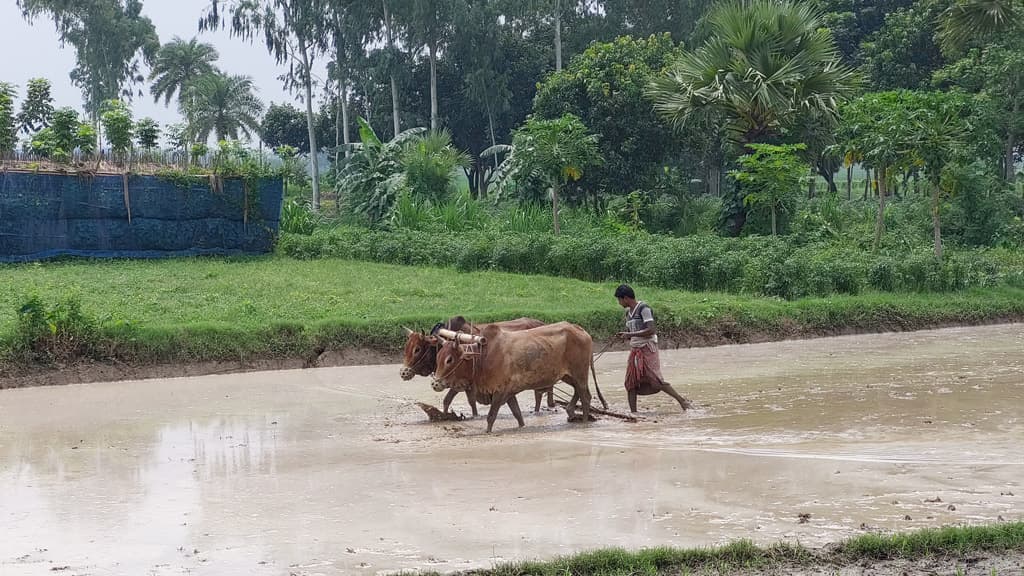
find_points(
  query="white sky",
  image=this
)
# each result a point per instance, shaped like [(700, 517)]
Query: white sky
[(32, 51)]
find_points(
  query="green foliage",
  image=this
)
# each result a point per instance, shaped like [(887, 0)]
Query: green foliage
[(178, 137), (222, 105), (118, 126), (37, 108), (110, 38), (293, 169), (59, 332), (551, 153), (178, 64), (995, 73), (197, 151), (372, 178), (273, 307), (8, 129), (754, 265), (771, 177), (760, 95), (967, 21), (297, 218), (604, 86), (284, 125), (904, 53), (85, 138), (147, 133), (428, 164)]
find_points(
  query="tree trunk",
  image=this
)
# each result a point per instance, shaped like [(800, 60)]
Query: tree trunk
[(936, 224), (1009, 166), (867, 182), (713, 184), (345, 138), (554, 209), (774, 229), (314, 157), (433, 86), (849, 182), (394, 83), (558, 35), (812, 187), (881, 174)]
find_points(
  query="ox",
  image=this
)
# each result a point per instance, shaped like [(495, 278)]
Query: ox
[(420, 356), (512, 362)]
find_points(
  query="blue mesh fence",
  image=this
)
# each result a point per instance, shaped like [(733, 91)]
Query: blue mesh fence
[(47, 215)]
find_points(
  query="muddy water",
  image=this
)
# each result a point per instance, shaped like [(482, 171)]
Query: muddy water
[(333, 471)]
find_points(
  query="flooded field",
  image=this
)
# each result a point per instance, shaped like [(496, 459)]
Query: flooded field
[(335, 471)]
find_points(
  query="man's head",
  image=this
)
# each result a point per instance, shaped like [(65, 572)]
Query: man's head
[(624, 293)]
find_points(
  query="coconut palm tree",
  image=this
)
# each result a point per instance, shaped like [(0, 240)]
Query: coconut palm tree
[(179, 64), (222, 105), (766, 63)]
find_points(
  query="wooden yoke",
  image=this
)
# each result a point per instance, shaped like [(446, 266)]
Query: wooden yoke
[(461, 337)]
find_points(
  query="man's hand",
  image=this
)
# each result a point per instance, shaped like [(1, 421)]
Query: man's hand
[(624, 335)]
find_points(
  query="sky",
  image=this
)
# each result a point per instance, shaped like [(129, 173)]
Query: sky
[(34, 50)]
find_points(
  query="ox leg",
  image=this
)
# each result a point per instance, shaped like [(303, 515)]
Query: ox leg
[(471, 398), (551, 397), (570, 409), (448, 399), (585, 397), (492, 414), (538, 395), (513, 405)]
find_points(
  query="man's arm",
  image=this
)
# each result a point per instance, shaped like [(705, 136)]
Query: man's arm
[(649, 329), (647, 332)]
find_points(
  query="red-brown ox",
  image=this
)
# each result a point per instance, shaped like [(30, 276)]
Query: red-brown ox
[(511, 362), (420, 358)]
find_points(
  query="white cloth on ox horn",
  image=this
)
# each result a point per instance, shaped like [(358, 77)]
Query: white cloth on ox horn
[(407, 330)]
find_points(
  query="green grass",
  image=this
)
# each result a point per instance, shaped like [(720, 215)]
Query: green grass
[(214, 309), (948, 543)]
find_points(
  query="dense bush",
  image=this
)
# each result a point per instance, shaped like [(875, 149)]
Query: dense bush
[(755, 265)]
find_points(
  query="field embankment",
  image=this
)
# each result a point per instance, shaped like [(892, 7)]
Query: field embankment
[(84, 320)]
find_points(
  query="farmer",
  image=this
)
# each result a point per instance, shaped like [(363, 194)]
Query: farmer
[(643, 374)]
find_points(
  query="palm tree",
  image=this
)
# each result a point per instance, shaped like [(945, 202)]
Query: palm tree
[(767, 62), (223, 105), (178, 64), (429, 162), (966, 20)]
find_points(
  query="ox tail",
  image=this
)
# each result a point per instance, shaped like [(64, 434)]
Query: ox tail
[(600, 396)]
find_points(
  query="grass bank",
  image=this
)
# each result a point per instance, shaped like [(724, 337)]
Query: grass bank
[(955, 547), (213, 309)]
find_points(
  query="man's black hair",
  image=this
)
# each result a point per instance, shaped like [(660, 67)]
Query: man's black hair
[(624, 291)]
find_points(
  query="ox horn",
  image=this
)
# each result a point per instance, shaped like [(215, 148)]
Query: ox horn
[(408, 331)]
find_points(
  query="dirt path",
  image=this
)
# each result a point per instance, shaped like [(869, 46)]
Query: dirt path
[(336, 471)]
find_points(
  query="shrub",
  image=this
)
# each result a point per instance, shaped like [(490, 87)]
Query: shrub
[(767, 266), (59, 332)]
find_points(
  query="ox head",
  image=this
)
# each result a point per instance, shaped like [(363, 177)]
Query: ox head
[(420, 357), (454, 370)]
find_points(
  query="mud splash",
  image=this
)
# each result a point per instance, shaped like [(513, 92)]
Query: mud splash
[(336, 471)]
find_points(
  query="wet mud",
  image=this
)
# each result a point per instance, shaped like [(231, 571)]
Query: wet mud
[(337, 471)]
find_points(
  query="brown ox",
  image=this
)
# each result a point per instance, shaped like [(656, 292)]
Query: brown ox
[(420, 357), (512, 362)]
